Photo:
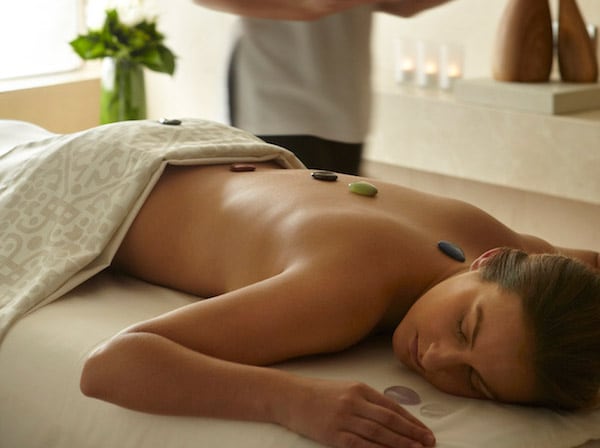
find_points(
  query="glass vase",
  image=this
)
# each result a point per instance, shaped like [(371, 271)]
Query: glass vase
[(123, 94)]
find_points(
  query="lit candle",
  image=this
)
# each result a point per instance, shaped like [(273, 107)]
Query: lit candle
[(453, 71), (427, 65), (429, 76), (405, 66), (449, 76), (406, 71), (431, 68), (451, 59)]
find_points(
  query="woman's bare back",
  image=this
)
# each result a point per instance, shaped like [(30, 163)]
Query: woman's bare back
[(207, 230)]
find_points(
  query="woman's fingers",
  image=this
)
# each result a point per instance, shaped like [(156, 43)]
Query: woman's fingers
[(380, 399), (388, 427), (350, 414), (381, 420), (354, 440)]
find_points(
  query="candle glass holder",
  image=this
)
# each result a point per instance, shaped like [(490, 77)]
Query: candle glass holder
[(427, 64), (405, 59), (451, 65)]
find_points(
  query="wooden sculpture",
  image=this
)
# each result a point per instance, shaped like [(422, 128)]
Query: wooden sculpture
[(577, 59), (524, 45)]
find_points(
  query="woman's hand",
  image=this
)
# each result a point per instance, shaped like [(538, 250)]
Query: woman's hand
[(350, 414)]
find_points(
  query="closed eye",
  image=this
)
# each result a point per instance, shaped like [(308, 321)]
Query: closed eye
[(459, 330), (481, 387), (472, 379), (472, 375)]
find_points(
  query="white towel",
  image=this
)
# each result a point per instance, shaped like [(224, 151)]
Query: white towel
[(66, 201)]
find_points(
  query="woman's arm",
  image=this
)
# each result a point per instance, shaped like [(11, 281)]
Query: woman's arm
[(283, 9), (407, 8), (590, 257), (205, 360), (537, 245), (166, 378), (150, 373)]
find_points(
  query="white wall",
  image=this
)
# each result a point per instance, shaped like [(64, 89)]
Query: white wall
[(201, 38)]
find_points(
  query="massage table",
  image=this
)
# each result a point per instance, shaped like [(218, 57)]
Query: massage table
[(45, 343)]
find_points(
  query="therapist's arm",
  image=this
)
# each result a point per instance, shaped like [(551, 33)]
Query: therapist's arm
[(283, 9), (407, 8)]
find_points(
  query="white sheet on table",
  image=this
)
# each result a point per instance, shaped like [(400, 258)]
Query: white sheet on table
[(41, 405)]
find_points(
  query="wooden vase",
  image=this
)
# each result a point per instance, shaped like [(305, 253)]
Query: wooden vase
[(524, 44), (577, 59)]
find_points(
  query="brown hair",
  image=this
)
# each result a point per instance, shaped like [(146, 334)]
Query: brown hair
[(561, 301)]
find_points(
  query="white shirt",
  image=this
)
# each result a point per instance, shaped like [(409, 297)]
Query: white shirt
[(313, 78)]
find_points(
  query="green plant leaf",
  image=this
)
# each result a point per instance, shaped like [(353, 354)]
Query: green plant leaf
[(88, 47), (141, 43), (159, 59)]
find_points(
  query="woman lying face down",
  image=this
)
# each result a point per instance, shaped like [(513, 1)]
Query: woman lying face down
[(296, 266), (469, 337), (516, 329)]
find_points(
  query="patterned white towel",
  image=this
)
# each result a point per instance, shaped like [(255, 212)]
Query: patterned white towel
[(66, 201)]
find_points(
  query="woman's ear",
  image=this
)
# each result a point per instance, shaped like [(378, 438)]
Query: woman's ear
[(484, 258)]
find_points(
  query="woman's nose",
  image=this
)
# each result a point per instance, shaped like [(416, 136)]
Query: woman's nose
[(441, 357)]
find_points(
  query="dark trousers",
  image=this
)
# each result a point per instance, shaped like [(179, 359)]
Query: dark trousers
[(319, 153)]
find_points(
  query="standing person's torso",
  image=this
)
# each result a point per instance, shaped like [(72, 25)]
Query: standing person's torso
[(305, 78)]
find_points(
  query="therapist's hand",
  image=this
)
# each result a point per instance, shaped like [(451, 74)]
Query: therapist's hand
[(407, 8), (321, 8), (343, 414), (284, 9)]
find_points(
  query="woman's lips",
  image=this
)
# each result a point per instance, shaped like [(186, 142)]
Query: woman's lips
[(413, 349)]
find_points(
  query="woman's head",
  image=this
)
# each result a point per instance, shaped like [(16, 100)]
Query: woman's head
[(516, 328), (561, 304), (470, 338)]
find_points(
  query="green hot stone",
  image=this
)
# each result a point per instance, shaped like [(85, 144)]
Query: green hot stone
[(363, 188)]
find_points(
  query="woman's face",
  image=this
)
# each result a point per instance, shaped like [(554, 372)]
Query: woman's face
[(468, 337)]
